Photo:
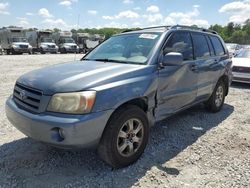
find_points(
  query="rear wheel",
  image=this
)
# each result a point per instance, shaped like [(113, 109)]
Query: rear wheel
[(216, 101), (125, 137), (41, 51)]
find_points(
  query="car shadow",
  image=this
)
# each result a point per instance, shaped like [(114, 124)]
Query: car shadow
[(239, 85), (27, 163)]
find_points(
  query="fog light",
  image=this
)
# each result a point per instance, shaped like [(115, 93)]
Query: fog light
[(57, 134)]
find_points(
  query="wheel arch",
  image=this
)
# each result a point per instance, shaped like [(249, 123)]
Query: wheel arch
[(225, 79)]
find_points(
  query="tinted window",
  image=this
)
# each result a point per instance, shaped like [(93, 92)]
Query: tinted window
[(201, 49), (180, 42), (219, 50), (211, 48)]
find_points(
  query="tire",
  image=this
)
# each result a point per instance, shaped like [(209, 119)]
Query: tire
[(111, 147), (13, 52), (63, 51), (41, 51), (216, 101)]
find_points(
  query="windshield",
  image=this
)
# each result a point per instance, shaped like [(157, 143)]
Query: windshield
[(19, 39), (47, 40), (68, 40), (128, 48), (243, 54)]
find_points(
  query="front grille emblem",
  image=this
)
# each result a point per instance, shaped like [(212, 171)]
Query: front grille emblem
[(23, 95)]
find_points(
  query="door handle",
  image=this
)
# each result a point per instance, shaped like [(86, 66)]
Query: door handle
[(194, 67)]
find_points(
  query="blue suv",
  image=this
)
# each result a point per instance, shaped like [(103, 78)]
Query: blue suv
[(111, 97)]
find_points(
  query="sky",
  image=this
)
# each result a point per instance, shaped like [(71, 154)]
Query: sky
[(68, 14)]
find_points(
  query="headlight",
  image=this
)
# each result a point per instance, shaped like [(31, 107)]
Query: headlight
[(15, 46), (56, 47), (44, 46), (72, 103), (30, 46)]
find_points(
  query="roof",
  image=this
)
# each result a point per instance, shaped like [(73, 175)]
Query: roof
[(162, 29)]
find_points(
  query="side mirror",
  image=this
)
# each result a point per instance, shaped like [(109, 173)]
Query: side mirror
[(172, 59)]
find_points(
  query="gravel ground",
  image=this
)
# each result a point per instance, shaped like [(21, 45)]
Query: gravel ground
[(191, 149)]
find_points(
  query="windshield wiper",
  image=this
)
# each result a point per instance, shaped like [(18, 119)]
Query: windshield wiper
[(106, 60)]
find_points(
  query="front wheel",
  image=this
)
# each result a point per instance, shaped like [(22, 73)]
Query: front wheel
[(125, 137), (216, 101)]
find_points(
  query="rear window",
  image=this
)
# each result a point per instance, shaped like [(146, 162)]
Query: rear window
[(201, 49), (219, 49)]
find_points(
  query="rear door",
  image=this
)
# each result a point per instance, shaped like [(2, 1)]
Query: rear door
[(204, 60), (177, 84)]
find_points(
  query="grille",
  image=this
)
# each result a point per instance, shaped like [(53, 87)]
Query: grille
[(27, 98), (73, 47), (241, 69), (51, 46), (23, 46)]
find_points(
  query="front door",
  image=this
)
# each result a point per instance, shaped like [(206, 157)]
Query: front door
[(177, 84)]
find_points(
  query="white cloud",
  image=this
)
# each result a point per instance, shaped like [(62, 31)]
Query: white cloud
[(44, 13), (186, 18), (92, 12), (153, 18), (128, 1), (4, 8), (153, 9), (65, 3), (239, 11), (125, 14), (136, 24), (23, 22), (116, 25), (29, 14), (137, 8), (51, 23)]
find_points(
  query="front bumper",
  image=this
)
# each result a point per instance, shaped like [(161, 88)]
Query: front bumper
[(50, 50), (73, 50), (241, 77), (22, 50), (83, 131)]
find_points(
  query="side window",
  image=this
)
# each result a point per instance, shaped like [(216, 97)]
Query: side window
[(201, 49), (180, 42), (211, 48), (219, 50)]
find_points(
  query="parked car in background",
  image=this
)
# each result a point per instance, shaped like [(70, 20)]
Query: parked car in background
[(1, 50), (233, 48), (65, 42), (42, 41), (241, 66), (110, 98), (14, 41)]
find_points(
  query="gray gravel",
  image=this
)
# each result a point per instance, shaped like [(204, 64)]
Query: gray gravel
[(191, 149)]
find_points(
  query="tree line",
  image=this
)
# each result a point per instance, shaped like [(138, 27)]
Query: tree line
[(234, 33), (231, 33)]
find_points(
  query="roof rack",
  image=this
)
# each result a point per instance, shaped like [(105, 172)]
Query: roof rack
[(155, 27), (193, 28), (174, 27)]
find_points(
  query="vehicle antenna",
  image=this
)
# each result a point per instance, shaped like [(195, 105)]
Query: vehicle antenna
[(77, 25)]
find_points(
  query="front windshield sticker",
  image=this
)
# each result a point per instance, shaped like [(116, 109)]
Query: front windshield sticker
[(148, 36)]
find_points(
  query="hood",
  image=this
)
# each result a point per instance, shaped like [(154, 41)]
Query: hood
[(241, 62), (79, 76), (20, 43), (70, 44), (48, 43)]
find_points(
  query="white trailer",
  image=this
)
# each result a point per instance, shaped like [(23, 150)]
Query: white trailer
[(65, 42), (13, 40), (87, 41), (42, 41)]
